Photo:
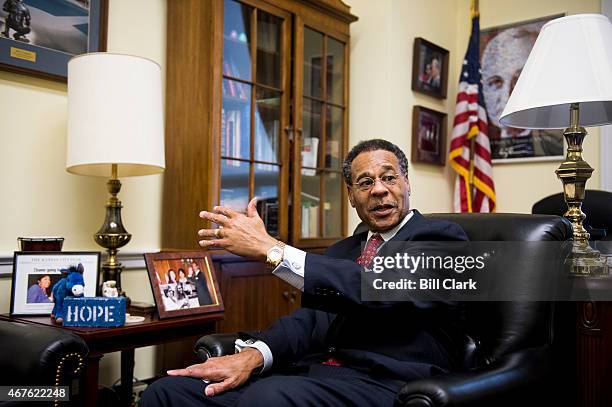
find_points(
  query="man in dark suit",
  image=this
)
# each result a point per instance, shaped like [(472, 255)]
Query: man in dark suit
[(337, 349), (201, 286)]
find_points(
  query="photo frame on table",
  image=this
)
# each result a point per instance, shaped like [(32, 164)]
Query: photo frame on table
[(503, 53), (428, 136), (43, 35), (35, 273), (183, 283), (429, 68)]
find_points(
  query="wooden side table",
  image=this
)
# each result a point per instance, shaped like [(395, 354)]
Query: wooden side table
[(152, 331)]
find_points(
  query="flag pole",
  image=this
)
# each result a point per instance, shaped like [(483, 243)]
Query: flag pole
[(474, 12)]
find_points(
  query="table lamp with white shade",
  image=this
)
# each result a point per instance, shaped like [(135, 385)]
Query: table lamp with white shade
[(566, 84), (115, 129)]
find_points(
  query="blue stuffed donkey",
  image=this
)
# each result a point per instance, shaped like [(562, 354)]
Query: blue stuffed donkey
[(72, 284)]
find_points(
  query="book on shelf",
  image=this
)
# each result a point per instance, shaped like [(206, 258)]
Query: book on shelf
[(313, 218), (310, 218), (266, 141), (230, 135), (234, 89), (328, 217), (268, 36), (268, 210), (332, 155), (310, 149), (223, 132)]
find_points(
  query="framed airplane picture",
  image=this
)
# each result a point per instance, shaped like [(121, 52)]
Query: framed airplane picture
[(38, 37)]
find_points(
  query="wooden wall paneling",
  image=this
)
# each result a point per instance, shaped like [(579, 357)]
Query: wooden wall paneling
[(253, 297), (594, 353)]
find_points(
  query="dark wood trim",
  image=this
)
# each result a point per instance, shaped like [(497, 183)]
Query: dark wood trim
[(253, 101)]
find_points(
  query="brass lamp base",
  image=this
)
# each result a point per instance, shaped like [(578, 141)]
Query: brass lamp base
[(574, 172), (586, 261), (112, 235)]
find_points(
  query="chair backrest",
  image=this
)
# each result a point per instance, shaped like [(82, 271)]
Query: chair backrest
[(503, 327), (498, 328), (596, 205)]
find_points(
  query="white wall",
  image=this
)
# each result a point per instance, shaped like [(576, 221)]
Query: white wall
[(381, 100)]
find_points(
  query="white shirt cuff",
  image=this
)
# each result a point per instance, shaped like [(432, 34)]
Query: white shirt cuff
[(291, 269), (261, 347)]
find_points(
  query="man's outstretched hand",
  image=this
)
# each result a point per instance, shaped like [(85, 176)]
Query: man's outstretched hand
[(224, 373), (244, 235)]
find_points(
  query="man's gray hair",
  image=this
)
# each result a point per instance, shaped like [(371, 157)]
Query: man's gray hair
[(373, 145)]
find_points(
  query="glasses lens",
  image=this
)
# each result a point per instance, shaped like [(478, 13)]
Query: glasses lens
[(365, 183), (389, 179)]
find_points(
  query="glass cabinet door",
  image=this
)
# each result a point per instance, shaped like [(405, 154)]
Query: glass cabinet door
[(255, 111), (321, 118)]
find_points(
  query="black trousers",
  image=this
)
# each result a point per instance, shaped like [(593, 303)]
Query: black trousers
[(320, 386)]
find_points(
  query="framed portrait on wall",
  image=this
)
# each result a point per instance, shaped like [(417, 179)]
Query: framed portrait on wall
[(39, 37), (429, 68), (183, 283), (503, 53), (36, 273), (428, 136)]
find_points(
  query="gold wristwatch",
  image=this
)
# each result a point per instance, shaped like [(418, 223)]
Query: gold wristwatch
[(275, 255)]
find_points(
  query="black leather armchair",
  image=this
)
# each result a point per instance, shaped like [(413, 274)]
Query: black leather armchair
[(39, 355), (512, 351), (596, 206)]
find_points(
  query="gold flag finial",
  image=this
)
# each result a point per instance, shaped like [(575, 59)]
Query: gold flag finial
[(474, 8)]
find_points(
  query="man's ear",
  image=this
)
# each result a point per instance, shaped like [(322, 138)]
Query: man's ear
[(350, 196)]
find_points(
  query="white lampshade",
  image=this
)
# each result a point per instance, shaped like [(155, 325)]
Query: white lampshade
[(571, 62), (115, 115)]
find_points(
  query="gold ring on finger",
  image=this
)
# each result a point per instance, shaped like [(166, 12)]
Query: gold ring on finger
[(218, 233)]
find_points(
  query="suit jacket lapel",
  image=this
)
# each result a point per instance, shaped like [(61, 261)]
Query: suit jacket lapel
[(355, 251), (415, 223)]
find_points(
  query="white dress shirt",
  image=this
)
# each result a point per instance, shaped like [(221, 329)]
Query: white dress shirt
[(291, 270)]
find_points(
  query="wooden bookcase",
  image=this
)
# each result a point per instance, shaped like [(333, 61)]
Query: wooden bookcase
[(257, 105)]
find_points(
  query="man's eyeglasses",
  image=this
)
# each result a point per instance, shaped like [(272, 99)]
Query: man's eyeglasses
[(367, 183)]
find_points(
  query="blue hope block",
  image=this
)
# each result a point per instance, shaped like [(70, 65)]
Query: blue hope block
[(94, 311)]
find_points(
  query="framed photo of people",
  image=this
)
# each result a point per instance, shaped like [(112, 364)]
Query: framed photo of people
[(503, 53), (183, 283), (429, 68), (36, 273), (39, 37), (428, 136)]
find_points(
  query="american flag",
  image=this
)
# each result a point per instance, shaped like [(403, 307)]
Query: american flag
[(470, 150)]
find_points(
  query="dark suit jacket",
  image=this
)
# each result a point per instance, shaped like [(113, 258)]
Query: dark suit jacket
[(202, 289), (399, 340)]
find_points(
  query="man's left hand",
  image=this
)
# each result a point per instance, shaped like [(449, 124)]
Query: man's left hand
[(243, 235), (225, 372)]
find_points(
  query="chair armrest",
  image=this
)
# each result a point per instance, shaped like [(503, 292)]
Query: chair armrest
[(215, 345), (39, 355), (501, 383)]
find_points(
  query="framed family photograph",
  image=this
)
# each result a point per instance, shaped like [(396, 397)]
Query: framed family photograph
[(429, 69), (428, 136), (183, 283), (503, 53), (35, 274), (38, 37)]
